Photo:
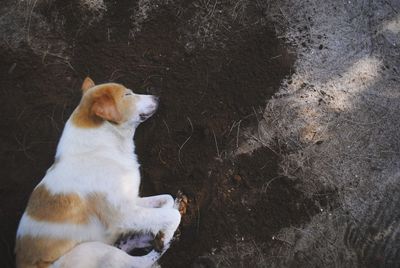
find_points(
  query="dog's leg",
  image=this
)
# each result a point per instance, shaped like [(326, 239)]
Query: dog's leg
[(165, 201), (156, 201), (100, 255), (160, 221)]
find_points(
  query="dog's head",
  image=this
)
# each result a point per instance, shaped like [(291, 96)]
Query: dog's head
[(113, 103)]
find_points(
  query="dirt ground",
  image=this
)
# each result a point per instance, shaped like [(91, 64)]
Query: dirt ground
[(209, 97), (254, 124)]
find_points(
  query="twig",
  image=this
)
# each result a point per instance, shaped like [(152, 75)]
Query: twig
[(183, 144), (29, 21), (390, 4), (112, 75), (266, 185), (263, 143), (258, 251), (275, 57), (211, 13), (23, 147), (165, 123), (284, 241), (198, 220), (237, 134), (161, 160), (216, 144)]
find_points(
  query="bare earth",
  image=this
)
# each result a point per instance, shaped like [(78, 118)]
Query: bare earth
[(279, 119)]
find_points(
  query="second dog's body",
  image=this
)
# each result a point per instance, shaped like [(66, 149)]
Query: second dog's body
[(90, 196)]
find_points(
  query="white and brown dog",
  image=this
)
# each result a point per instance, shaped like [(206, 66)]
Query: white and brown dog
[(90, 196)]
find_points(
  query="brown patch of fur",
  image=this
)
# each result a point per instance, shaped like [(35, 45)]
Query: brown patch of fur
[(102, 209), (106, 108), (40, 252), (70, 208), (60, 208), (103, 102)]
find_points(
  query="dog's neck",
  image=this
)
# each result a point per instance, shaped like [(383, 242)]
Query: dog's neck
[(107, 139)]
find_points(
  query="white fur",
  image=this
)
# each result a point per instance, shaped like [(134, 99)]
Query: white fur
[(95, 255), (102, 160), (93, 231)]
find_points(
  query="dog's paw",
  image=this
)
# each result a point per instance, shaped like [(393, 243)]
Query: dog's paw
[(181, 203), (158, 242)]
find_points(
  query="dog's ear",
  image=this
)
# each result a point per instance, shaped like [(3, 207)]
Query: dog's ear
[(87, 83), (105, 107)]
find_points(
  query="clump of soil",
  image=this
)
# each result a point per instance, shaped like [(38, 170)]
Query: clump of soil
[(186, 146)]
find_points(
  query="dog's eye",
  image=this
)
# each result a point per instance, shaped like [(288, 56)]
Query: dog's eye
[(128, 94)]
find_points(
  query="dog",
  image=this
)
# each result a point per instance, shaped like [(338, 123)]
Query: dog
[(90, 195)]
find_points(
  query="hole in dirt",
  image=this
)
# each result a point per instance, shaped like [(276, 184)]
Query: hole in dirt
[(187, 145), (241, 200)]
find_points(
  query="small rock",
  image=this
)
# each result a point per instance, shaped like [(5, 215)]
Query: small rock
[(237, 178)]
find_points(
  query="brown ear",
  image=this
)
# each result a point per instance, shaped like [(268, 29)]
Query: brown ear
[(106, 108), (87, 83)]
